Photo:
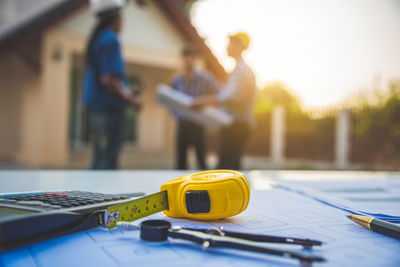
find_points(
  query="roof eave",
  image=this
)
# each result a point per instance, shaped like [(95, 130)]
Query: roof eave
[(31, 30), (182, 22)]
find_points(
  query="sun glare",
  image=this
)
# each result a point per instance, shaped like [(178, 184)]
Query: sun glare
[(323, 50)]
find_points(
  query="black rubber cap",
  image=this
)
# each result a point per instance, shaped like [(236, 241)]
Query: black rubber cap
[(154, 230)]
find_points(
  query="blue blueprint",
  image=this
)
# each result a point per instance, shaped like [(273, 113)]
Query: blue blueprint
[(275, 211)]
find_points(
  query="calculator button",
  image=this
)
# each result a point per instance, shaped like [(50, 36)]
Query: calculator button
[(65, 204), (56, 194), (65, 199), (4, 200), (98, 200), (19, 198), (30, 203)]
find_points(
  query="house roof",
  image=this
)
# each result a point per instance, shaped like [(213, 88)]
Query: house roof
[(24, 21)]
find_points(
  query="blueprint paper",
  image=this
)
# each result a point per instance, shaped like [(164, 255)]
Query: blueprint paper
[(376, 197), (275, 211), (178, 102)]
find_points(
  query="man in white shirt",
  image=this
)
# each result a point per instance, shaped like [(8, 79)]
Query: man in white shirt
[(237, 98)]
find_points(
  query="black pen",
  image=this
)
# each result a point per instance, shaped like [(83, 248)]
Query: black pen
[(376, 225)]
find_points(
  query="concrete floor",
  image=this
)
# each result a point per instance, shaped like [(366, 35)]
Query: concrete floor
[(132, 158)]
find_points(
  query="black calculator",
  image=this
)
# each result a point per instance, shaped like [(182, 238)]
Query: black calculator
[(29, 217), (78, 201)]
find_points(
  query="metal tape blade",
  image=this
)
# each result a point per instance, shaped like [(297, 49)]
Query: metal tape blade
[(135, 209)]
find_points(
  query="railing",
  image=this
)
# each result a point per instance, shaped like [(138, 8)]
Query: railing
[(338, 136)]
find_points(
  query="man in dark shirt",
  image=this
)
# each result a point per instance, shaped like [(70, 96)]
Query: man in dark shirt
[(105, 93), (194, 83)]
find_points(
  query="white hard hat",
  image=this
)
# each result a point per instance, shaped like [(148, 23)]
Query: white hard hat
[(99, 6)]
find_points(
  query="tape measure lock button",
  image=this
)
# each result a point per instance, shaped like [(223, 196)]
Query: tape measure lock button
[(198, 201)]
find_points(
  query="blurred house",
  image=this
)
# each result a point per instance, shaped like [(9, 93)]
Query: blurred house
[(42, 44)]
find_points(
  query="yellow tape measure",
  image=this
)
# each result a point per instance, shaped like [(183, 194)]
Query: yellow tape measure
[(208, 195)]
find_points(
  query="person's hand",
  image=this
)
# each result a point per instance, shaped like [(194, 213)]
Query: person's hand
[(135, 98), (198, 103), (202, 101), (136, 102), (136, 90)]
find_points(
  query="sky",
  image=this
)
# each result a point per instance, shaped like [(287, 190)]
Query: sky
[(322, 50)]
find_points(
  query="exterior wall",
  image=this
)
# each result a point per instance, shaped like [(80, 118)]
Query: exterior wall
[(15, 80), (34, 115), (145, 27), (156, 127), (32, 126), (44, 109)]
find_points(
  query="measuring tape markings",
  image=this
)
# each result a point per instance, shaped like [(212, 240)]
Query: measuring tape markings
[(205, 195), (136, 209)]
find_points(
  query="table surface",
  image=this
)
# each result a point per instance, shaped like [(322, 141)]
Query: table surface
[(149, 181)]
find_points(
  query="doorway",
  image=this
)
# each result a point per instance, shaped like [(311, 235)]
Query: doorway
[(79, 129)]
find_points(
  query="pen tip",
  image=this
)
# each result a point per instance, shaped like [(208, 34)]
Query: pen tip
[(348, 216)]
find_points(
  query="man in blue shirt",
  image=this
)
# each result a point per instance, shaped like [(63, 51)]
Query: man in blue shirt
[(193, 83), (105, 90)]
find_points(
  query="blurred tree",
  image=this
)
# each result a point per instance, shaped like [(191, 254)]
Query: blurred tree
[(276, 94), (272, 95), (376, 129)]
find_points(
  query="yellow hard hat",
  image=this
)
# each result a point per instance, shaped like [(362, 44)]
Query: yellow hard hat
[(242, 37)]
